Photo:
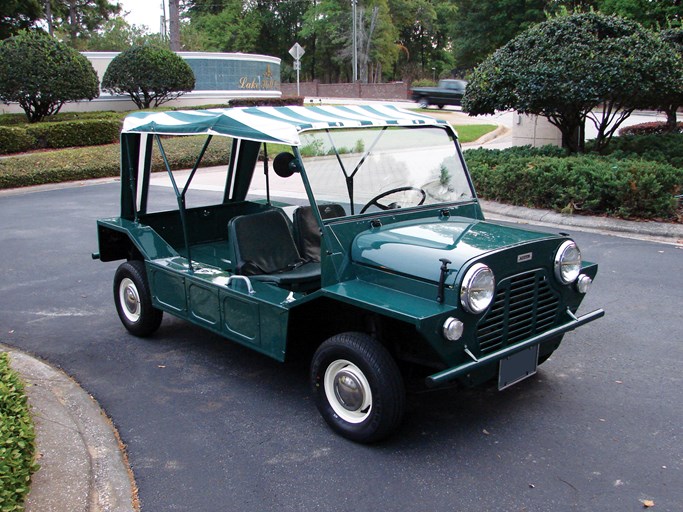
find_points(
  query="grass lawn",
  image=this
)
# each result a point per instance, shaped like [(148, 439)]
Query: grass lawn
[(471, 132)]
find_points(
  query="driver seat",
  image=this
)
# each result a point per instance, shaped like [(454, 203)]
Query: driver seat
[(307, 231), (265, 251)]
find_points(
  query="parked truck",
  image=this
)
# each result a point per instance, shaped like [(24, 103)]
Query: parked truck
[(448, 92)]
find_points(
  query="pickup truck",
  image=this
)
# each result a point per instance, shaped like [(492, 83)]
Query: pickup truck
[(448, 92)]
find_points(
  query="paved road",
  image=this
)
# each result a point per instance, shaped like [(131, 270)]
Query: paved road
[(212, 426)]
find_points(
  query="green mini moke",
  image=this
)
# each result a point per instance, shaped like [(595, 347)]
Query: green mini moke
[(353, 232)]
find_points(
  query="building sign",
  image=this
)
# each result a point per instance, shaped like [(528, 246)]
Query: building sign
[(265, 82)]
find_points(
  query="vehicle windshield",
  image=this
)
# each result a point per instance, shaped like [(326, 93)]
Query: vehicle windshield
[(373, 169)]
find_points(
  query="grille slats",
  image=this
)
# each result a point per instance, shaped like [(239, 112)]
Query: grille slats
[(531, 309)]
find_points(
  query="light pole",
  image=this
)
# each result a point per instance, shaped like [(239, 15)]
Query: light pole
[(355, 41), (434, 73)]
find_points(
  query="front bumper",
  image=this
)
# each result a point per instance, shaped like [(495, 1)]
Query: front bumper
[(458, 371)]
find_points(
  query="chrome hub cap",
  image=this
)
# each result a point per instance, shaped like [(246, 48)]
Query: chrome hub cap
[(129, 299), (348, 391)]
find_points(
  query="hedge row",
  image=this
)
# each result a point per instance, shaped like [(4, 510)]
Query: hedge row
[(89, 132), (590, 184), (267, 102), (102, 162), (653, 128), (17, 440)]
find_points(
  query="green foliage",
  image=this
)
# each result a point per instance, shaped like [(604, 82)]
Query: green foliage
[(78, 20), (423, 82), (590, 184), (87, 132), (17, 15), (664, 148), (267, 102), (15, 140), (100, 162), (116, 35), (41, 74), (653, 128), (17, 440), (569, 67), (149, 74)]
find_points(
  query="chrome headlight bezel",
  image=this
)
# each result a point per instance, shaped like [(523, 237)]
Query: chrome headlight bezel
[(567, 262), (477, 289)]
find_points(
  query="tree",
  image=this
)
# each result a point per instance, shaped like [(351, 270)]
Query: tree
[(149, 75), (116, 35), (573, 68), (41, 74), (671, 104), (16, 15), (79, 19), (651, 14), (483, 26)]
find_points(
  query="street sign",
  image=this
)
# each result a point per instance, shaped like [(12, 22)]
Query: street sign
[(297, 51), (297, 65)]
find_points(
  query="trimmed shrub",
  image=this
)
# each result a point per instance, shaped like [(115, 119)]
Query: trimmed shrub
[(654, 128), (91, 132), (268, 102), (41, 74), (630, 188), (17, 439), (150, 75), (665, 148), (15, 140)]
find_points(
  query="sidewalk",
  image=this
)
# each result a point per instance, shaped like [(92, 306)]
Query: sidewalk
[(82, 463)]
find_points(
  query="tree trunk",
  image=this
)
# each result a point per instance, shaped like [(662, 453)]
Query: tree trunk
[(671, 118), (174, 25)]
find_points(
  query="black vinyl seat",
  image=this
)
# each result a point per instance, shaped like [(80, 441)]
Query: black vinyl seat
[(265, 251), (307, 231)]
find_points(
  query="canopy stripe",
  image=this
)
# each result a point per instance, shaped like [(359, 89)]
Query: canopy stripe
[(271, 124)]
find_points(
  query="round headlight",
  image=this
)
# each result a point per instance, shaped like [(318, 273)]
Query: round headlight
[(567, 262), (478, 286), (453, 329)]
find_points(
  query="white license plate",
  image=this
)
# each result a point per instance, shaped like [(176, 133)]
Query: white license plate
[(517, 367)]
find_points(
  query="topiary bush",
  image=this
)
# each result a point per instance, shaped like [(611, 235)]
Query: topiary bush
[(590, 184), (91, 132), (41, 74), (15, 140), (149, 74)]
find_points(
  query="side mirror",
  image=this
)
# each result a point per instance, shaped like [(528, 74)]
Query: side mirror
[(285, 164)]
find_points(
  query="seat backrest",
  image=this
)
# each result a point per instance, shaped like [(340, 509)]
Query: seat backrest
[(262, 243), (307, 231)]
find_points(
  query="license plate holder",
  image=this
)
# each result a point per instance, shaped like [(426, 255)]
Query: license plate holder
[(517, 367)]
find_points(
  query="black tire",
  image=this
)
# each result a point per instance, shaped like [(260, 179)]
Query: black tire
[(134, 301), (440, 107), (363, 364), (423, 102)]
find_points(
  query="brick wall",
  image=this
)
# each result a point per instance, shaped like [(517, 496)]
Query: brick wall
[(390, 91)]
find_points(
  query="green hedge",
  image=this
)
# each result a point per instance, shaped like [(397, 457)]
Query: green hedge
[(267, 102), (591, 184), (88, 132), (665, 148), (102, 161), (17, 440)]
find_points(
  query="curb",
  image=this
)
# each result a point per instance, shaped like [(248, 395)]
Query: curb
[(83, 466), (661, 231)]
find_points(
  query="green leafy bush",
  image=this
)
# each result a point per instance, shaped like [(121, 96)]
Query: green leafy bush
[(41, 74), (17, 440), (588, 184), (267, 102), (149, 74), (101, 162), (423, 82), (15, 140), (665, 148), (91, 132)]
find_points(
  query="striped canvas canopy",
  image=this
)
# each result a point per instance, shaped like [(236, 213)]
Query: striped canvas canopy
[(271, 124)]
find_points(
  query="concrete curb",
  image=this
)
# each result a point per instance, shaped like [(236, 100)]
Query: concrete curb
[(82, 463), (663, 231)]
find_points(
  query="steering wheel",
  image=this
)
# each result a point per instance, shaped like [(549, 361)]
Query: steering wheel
[(375, 200)]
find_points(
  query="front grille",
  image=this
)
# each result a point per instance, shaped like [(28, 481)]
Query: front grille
[(524, 305)]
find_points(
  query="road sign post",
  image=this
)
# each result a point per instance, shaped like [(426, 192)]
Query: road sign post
[(297, 52)]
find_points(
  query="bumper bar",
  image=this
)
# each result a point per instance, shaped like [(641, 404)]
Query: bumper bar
[(453, 373)]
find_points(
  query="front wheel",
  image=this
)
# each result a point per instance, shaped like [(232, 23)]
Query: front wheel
[(358, 387), (423, 102), (134, 300)]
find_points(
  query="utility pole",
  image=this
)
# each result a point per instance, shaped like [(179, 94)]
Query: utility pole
[(355, 41), (174, 24), (48, 15), (162, 21)]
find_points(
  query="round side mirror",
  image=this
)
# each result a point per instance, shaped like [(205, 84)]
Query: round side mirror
[(285, 165)]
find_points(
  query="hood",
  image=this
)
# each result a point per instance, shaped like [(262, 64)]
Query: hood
[(414, 248)]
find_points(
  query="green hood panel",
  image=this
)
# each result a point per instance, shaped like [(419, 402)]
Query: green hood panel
[(414, 248)]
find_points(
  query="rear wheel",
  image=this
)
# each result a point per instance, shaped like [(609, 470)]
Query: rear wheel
[(134, 300), (358, 388)]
